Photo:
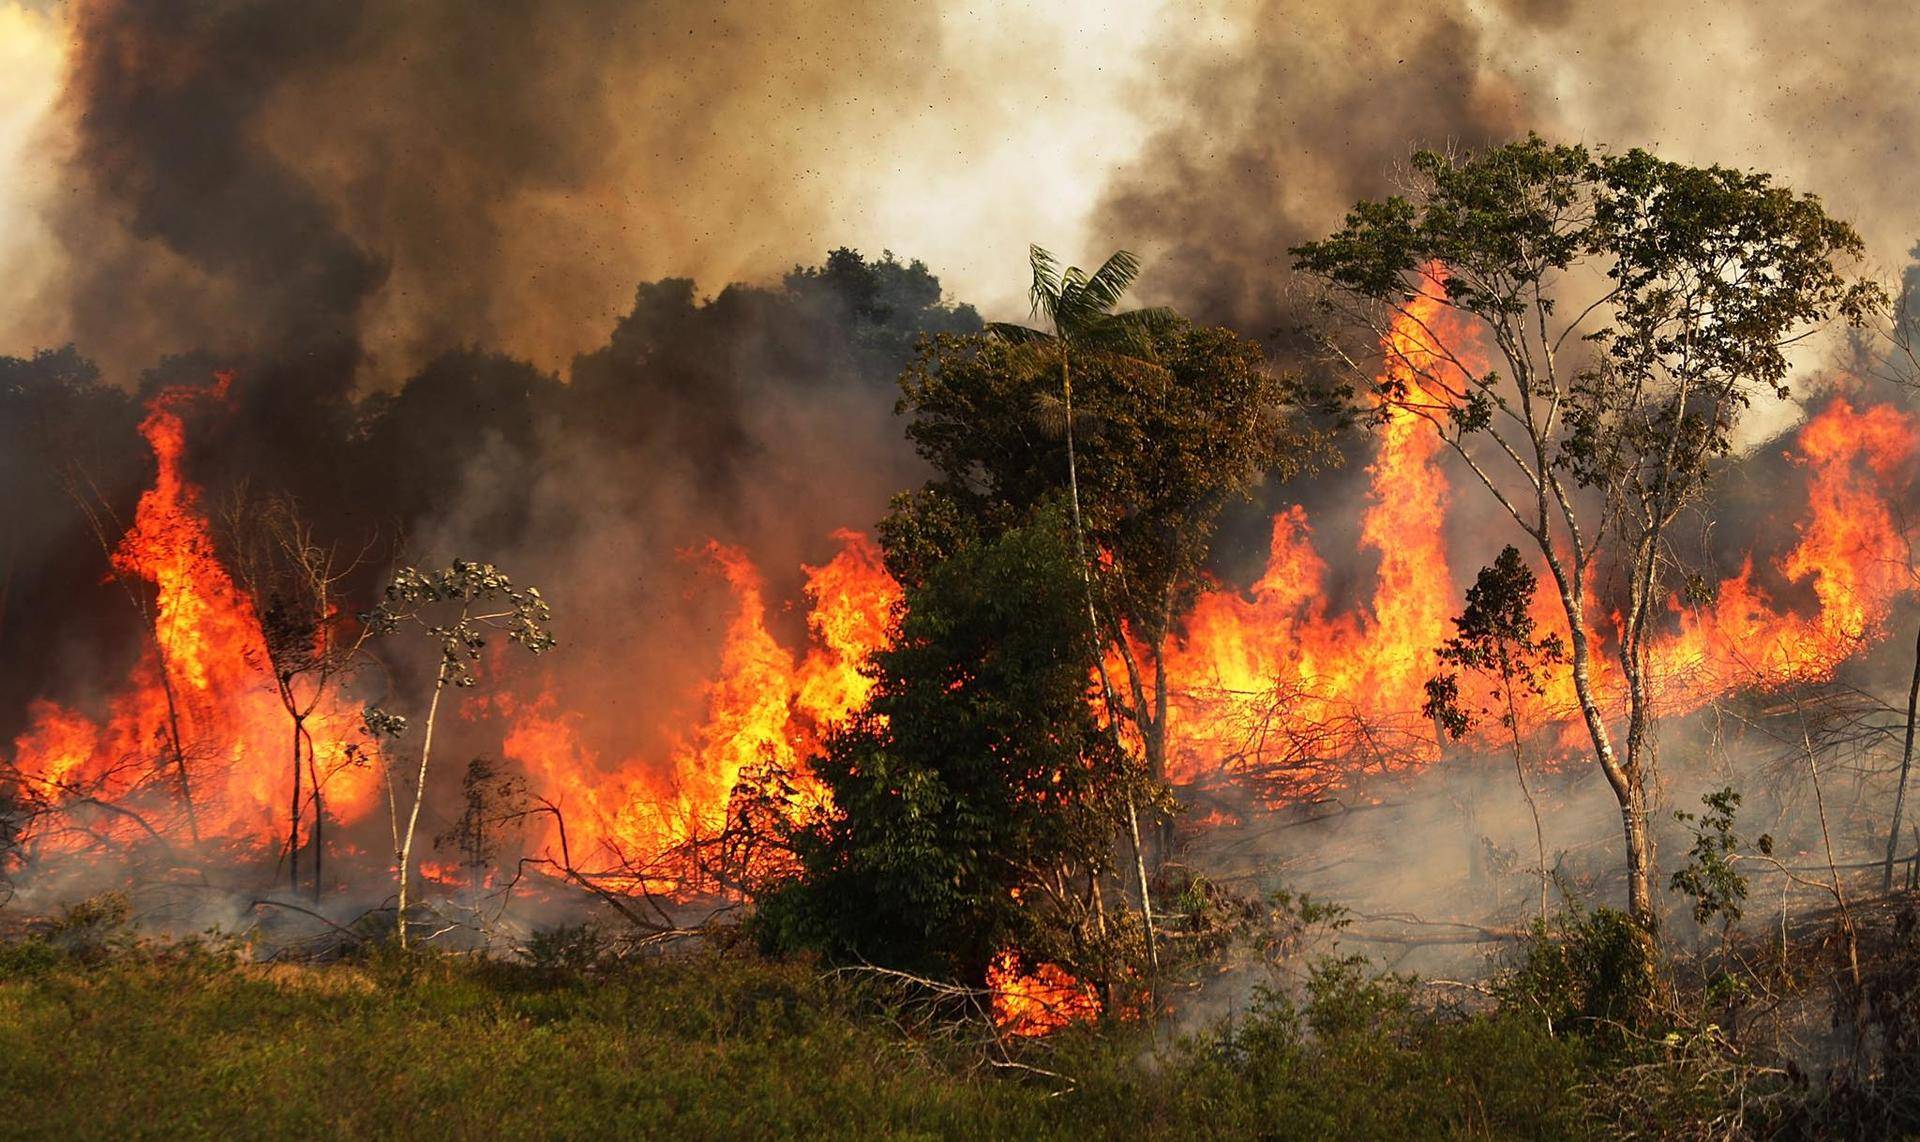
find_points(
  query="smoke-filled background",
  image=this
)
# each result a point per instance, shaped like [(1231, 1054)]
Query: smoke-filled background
[(410, 177), (475, 265)]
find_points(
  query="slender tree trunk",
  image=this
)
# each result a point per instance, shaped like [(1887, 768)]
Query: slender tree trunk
[(1624, 778), (319, 820), (1073, 483), (1533, 806), (419, 796), (293, 816), (1906, 765), (1146, 898), (1638, 813), (1633, 817), (1093, 626), (1157, 741), (179, 751)]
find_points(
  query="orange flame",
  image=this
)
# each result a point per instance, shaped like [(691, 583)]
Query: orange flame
[(1272, 677), (1038, 1002), (1271, 680), (1278, 653), (765, 711), (201, 696)]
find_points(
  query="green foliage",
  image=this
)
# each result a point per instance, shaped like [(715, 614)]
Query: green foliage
[(975, 781), (1710, 876), (1496, 638), (1356, 1057), (444, 1047), (1078, 310), (377, 723), (93, 928), (457, 606), (712, 1045), (1593, 326), (34, 956), (1592, 974), (1160, 449), (1711, 275), (167, 1039), (567, 948), (886, 304)]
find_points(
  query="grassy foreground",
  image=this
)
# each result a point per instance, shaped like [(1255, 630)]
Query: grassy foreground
[(178, 1042)]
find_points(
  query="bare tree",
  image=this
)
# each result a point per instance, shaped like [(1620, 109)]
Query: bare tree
[(312, 642), (1903, 365)]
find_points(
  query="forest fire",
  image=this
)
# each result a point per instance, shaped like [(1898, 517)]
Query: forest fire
[(1038, 570), (1270, 681), (196, 742), (195, 746), (1273, 671), (765, 712), (1037, 1002)]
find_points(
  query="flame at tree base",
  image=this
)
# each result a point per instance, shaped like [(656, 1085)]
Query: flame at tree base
[(1037, 1002)]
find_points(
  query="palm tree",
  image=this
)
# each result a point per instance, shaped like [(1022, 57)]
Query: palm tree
[(1078, 311)]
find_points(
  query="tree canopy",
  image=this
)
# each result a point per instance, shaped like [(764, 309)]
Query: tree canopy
[(976, 796), (1586, 329)]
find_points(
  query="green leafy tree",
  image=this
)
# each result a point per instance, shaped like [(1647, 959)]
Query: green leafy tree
[(1631, 309), (1154, 424), (1711, 876), (1078, 309), (456, 609), (1496, 639), (975, 800)]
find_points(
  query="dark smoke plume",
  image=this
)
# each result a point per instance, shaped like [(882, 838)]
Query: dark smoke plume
[(1262, 138), (403, 178)]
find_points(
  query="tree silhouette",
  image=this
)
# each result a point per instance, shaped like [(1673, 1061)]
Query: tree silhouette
[(1495, 639)]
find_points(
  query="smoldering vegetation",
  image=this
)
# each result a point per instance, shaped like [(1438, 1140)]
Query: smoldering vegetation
[(757, 416), (412, 233)]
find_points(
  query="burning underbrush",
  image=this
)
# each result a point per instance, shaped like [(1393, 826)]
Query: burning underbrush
[(238, 749)]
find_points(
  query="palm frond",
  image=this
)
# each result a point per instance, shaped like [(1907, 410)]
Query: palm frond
[(1049, 414), (1044, 293), (1153, 318), (1077, 304), (1111, 281), (1016, 334), (1130, 334), (1035, 354), (1079, 310)]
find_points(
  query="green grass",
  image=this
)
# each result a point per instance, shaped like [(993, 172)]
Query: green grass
[(186, 1046), (182, 1043)]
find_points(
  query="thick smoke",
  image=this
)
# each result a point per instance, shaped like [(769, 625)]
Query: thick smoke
[(1263, 136), (405, 178), (1266, 137)]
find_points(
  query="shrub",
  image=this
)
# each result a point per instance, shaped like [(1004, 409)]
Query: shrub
[(1593, 975)]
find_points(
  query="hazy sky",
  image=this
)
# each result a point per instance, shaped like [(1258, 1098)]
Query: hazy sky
[(512, 179)]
